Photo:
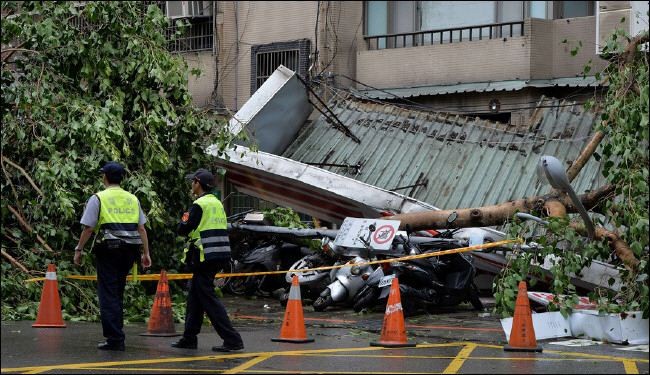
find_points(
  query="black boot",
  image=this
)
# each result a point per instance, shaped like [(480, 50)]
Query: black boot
[(228, 348), (111, 346), (185, 343)]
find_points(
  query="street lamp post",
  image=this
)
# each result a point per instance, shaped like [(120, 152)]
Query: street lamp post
[(551, 170)]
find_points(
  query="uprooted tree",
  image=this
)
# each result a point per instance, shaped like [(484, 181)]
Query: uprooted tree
[(620, 142), (83, 84)]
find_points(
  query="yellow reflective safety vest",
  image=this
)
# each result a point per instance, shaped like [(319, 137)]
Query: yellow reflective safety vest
[(211, 236), (119, 213)]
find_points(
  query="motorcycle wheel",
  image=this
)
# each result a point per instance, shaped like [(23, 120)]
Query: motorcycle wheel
[(244, 285), (221, 282), (284, 298), (473, 298), (366, 298), (322, 303)]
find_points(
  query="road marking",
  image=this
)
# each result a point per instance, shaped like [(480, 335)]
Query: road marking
[(630, 367), (630, 364), (152, 369), (247, 365), (457, 363)]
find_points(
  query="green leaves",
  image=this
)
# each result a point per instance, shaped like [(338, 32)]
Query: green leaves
[(624, 161), (99, 85)]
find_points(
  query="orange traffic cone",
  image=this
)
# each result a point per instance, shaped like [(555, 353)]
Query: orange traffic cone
[(393, 333), (161, 321), (293, 326), (49, 311), (522, 335)]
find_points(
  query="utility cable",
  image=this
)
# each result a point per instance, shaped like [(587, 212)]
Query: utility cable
[(343, 128)]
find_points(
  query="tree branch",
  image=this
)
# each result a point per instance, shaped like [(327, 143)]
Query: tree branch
[(6, 160), (620, 247), (29, 228), (585, 155), (14, 262), (14, 50), (13, 188)]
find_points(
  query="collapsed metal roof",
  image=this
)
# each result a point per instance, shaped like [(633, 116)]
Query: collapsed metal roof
[(511, 85), (450, 161)]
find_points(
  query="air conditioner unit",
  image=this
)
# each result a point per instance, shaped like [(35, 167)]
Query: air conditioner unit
[(188, 9)]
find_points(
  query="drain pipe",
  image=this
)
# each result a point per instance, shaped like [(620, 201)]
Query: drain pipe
[(236, 54)]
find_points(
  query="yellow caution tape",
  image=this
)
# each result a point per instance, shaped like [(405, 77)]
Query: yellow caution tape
[(181, 276)]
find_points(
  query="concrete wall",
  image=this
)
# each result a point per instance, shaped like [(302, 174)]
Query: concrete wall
[(256, 22), (611, 13), (540, 35), (342, 50), (474, 61), (262, 22), (575, 30), (338, 42), (201, 87)]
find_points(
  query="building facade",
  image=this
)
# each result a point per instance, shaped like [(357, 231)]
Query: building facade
[(487, 59), (409, 49)]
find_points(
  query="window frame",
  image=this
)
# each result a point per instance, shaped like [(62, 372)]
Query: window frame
[(304, 50)]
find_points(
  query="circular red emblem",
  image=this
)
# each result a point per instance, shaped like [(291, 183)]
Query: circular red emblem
[(383, 234)]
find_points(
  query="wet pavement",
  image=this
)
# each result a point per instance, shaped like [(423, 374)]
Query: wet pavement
[(453, 341)]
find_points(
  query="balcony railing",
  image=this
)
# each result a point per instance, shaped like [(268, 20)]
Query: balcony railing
[(446, 36)]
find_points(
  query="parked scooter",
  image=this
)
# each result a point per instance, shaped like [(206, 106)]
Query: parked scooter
[(272, 256), (266, 253), (314, 281), (345, 281), (425, 283)]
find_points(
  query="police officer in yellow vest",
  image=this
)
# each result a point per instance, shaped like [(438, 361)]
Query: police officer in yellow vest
[(117, 219), (208, 252)]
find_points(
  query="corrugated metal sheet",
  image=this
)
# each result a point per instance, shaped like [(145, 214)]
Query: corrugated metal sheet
[(513, 85), (460, 162)]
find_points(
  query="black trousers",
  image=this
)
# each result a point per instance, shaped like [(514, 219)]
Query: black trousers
[(113, 265), (202, 298)]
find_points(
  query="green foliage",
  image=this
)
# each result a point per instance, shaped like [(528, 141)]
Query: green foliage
[(566, 251), (623, 154), (284, 217), (287, 217), (88, 84)]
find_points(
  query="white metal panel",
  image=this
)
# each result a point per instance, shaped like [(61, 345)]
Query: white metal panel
[(274, 113)]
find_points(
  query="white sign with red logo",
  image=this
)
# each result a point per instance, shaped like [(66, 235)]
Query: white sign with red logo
[(584, 303), (355, 232)]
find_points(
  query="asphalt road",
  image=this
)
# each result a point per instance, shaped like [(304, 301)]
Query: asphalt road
[(454, 341)]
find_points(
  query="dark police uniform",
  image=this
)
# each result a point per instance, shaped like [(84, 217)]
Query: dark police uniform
[(208, 252)]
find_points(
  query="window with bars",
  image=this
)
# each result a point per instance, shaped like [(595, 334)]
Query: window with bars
[(267, 62), (266, 58)]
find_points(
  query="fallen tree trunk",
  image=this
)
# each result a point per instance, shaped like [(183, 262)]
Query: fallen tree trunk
[(551, 204), (620, 247), (498, 214)]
